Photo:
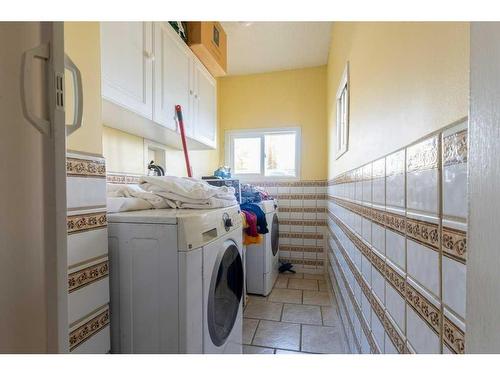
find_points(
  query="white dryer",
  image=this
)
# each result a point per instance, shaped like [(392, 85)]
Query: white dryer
[(176, 281), (262, 260)]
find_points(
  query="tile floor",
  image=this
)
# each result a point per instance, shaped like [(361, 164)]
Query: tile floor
[(299, 316)]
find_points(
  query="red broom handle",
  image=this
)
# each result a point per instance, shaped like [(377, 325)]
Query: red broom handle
[(178, 111)]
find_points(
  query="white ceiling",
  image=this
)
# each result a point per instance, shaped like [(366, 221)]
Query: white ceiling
[(257, 47)]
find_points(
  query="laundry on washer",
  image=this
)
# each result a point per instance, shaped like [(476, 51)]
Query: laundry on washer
[(261, 216), (249, 223), (171, 192), (253, 194)]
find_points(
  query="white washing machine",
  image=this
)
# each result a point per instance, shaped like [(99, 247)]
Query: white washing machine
[(262, 260), (176, 281)]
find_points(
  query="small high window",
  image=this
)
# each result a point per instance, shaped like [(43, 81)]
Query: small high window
[(342, 120)]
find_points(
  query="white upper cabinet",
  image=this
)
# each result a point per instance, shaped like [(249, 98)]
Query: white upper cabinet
[(148, 69), (127, 65), (171, 78), (205, 106)]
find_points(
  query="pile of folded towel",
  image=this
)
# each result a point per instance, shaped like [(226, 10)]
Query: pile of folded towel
[(168, 192)]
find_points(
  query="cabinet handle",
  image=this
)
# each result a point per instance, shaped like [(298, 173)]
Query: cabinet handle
[(149, 55), (190, 92), (196, 96)]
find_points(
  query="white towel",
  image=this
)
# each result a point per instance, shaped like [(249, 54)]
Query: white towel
[(122, 204), (185, 192), (169, 192), (190, 188)]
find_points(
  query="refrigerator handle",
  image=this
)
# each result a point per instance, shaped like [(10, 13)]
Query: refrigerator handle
[(78, 97), (40, 52)]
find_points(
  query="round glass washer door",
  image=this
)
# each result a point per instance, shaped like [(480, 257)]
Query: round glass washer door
[(226, 289), (275, 233)]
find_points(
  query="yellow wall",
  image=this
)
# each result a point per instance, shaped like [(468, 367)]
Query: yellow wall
[(406, 80), (279, 99), (124, 153), (81, 44)]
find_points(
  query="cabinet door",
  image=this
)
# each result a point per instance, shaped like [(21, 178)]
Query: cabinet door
[(127, 65), (171, 77), (205, 129)]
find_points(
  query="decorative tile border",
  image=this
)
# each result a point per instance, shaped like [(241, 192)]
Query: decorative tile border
[(423, 155), (301, 183), (85, 222), (122, 179), (302, 249), (453, 337), (430, 313), (424, 232), (395, 163), (302, 209), (421, 231), (383, 218), (312, 236), (76, 167), (87, 276), (454, 241), (306, 223), (88, 329), (455, 244), (455, 148), (303, 196)]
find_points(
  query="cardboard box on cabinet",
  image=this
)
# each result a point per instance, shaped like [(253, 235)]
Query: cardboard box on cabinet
[(208, 41)]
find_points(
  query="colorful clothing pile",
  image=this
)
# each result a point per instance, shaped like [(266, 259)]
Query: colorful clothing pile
[(250, 234), (253, 194), (254, 223)]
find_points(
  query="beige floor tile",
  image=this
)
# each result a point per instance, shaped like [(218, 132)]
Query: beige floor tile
[(317, 339), (281, 351), (314, 276), (323, 286), (281, 283), (278, 335), (286, 296), (317, 298), (330, 316), (304, 314), (249, 349), (303, 284), (287, 275), (263, 310), (249, 327), (256, 297)]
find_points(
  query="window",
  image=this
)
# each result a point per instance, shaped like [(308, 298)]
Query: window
[(342, 120), (266, 153)]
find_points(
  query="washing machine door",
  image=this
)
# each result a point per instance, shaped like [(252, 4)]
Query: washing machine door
[(275, 235), (226, 289)]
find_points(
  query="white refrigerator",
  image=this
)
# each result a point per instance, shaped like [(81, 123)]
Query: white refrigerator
[(33, 269)]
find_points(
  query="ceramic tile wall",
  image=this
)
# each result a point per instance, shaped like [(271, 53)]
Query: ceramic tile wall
[(88, 267), (302, 219), (397, 247)]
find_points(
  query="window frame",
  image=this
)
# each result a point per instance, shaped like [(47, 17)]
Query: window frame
[(342, 124), (230, 135)]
